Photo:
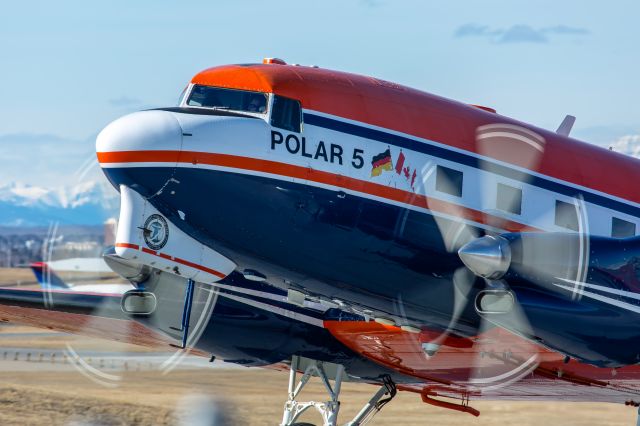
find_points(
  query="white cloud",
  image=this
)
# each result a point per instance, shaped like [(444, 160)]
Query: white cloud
[(629, 144), (519, 33)]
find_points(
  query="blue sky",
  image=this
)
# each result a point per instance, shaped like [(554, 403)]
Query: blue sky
[(70, 67)]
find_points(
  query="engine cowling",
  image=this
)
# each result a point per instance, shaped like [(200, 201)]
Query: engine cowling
[(580, 294)]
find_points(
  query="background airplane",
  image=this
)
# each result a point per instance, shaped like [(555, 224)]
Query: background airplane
[(49, 280)]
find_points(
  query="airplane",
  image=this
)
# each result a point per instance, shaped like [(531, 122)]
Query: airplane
[(445, 249), (49, 280)]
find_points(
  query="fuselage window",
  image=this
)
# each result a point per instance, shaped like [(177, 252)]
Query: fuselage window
[(286, 114), (509, 199), (567, 215), (227, 99), (449, 181), (622, 229)]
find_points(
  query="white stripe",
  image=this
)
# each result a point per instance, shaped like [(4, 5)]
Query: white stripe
[(266, 295), (628, 294), (430, 142), (280, 311), (473, 154), (604, 299)]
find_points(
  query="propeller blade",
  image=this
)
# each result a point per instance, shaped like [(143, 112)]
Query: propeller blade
[(502, 358)]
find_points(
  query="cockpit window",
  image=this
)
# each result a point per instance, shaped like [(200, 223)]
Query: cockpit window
[(228, 99), (286, 114)]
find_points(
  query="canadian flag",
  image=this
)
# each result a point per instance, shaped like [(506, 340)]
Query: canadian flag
[(399, 163)]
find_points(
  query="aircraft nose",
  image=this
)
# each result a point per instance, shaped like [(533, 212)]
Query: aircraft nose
[(141, 131), (140, 150)]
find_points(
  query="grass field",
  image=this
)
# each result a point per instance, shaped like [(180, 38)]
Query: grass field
[(252, 397)]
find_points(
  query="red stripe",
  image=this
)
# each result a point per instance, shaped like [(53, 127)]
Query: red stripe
[(127, 245), (202, 268), (399, 162), (382, 162), (289, 170), (172, 258)]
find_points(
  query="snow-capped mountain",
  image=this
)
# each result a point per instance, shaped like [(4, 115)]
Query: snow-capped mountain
[(87, 203)]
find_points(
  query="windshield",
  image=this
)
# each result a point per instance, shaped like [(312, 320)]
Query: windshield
[(231, 99), (181, 98)]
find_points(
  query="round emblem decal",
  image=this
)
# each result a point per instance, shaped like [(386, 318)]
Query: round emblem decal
[(156, 231)]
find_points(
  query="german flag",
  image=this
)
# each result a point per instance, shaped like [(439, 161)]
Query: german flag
[(381, 162)]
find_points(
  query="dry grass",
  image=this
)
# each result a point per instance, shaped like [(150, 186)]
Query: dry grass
[(28, 406), (13, 276), (254, 396)]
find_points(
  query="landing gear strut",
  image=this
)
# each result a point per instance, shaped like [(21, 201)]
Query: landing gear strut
[(293, 409), (381, 398), (328, 410)]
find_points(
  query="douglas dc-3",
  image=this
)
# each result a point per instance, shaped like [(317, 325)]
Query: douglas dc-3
[(350, 228)]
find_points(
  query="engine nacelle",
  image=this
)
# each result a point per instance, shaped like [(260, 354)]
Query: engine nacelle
[(577, 294)]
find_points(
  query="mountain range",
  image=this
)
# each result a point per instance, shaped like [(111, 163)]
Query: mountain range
[(86, 203)]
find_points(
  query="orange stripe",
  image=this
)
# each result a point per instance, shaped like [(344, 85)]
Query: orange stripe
[(127, 245), (202, 268), (289, 170), (172, 258), (138, 156)]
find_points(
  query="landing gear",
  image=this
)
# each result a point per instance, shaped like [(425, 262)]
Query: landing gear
[(293, 409), (328, 410), (381, 398)]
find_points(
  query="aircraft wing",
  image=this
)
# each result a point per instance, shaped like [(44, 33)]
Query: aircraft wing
[(88, 314), (495, 364)]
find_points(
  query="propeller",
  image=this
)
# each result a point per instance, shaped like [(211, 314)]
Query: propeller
[(486, 255), (494, 254)]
